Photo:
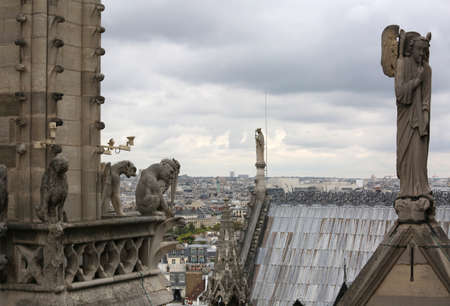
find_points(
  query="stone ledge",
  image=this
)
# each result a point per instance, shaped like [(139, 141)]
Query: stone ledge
[(150, 290), (83, 224), (114, 279)]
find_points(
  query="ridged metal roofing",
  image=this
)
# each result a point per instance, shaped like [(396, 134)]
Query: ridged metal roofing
[(302, 255)]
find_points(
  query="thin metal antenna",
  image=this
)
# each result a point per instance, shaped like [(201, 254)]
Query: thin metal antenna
[(267, 134)]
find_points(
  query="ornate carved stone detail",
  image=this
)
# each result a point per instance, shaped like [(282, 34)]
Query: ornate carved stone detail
[(90, 262), (72, 254), (129, 256), (227, 284), (95, 260), (29, 264), (110, 258)]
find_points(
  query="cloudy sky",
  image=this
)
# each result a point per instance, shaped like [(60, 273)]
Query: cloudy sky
[(188, 79)]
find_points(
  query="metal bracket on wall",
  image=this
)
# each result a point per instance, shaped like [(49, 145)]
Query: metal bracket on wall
[(110, 147)]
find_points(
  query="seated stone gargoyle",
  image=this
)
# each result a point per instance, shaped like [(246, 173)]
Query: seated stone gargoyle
[(110, 179), (54, 190), (153, 183)]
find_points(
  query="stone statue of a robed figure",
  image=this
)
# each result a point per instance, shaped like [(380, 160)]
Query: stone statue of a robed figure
[(405, 56), (259, 138)]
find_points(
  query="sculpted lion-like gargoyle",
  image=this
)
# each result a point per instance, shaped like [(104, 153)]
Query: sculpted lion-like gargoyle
[(111, 184), (153, 183), (54, 190)]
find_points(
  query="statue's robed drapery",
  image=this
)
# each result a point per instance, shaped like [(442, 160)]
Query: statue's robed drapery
[(413, 111), (405, 56)]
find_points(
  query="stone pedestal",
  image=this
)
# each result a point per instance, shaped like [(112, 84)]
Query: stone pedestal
[(414, 210)]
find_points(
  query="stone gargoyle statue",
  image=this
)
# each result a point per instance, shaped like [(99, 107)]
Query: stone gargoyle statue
[(54, 191), (153, 183), (3, 198), (110, 182)]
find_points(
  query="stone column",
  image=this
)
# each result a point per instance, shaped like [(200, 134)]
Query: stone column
[(260, 188), (50, 71), (254, 212)]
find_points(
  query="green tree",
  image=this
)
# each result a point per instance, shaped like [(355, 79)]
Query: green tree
[(216, 227), (190, 227), (186, 238)]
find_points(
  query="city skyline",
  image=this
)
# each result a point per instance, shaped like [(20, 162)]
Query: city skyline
[(208, 66)]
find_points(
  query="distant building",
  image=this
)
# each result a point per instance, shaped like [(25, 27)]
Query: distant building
[(195, 284), (197, 253), (195, 205), (173, 266), (239, 212)]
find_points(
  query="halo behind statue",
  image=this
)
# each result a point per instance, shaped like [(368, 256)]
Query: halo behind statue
[(389, 49)]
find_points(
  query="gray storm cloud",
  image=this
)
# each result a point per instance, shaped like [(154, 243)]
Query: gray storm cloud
[(188, 78)]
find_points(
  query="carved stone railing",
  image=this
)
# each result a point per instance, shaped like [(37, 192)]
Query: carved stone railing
[(364, 197), (71, 256)]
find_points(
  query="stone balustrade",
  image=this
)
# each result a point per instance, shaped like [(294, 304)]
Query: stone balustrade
[(71, 256)]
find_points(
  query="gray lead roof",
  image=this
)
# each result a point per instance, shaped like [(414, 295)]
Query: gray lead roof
[(303, 254)]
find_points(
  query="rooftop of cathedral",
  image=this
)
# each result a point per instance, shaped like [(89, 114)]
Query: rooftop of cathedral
[(305, 247)]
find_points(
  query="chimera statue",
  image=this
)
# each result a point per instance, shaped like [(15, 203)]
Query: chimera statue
[(153, 183), (405, 56), (54, 190), (111, 184)]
